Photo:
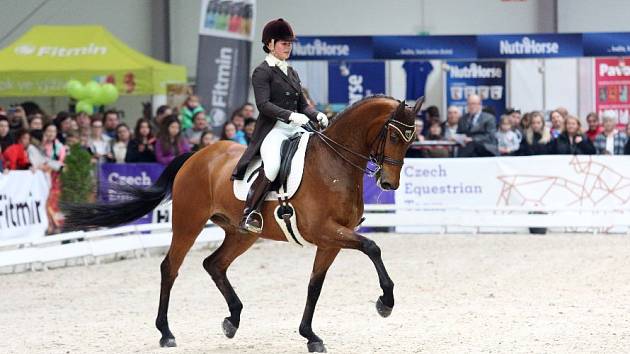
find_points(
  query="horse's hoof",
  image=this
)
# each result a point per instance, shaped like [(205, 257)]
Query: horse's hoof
[(167, 342), (316, 347), (228, 328), (382, 309)]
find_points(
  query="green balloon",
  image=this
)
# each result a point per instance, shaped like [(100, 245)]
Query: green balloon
[(92, 91), (75, 89), (109, 94), (84, 106)]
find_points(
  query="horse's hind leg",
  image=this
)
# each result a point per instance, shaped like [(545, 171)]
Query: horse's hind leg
[(217, 264), (186, 228), (323, 259)]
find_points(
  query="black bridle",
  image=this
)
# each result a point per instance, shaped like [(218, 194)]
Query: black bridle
[(377, 155)]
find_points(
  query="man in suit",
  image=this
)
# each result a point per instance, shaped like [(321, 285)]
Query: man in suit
[(479, 129)]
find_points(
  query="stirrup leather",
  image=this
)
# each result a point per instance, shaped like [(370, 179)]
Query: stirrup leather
[(250, 227)]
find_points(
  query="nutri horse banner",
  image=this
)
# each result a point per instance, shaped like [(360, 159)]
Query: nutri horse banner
[(484, 78), (23, 196)]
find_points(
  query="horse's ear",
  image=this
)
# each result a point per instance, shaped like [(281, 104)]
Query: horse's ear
[(418, 105)]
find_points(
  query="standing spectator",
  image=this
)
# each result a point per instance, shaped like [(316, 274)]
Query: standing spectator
[(6, 138), (83, 121), (200, 124), (557, 123), (17, 118), (54, 153), (626, 149), (536, 137), (191, 106), (247, 110), (170, 142), (248, 129), (141, 148), (453, 114), (207, 138), (610, 141), (594, 128), (98, 142), (508, 142), (36, 122), (118, 149), (62, 121), (162, 112), (15, 156), (479, 128), (572, 141), (111, 120), (230, 133)]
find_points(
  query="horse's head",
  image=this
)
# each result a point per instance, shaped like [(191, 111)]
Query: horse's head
[(392, 143)]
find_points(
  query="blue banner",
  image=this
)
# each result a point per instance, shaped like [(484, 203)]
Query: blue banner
[(424, 47), (484, 78), (529, 46), (349, 81), (135, 174), (606, 44), (331, 48)]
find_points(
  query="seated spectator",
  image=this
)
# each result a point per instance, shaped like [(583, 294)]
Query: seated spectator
[(594, 128), (170, 143), (626, 148), (6, 138), (98, 142), (525, 121), (200, 124), (435, 134), (515, 120), (419, 130), (238, 120), (141, 148), (508, 141), (479, 128), (162, 112), (111, 120), (248, 129), (610, 141), (557, 124), (453, 114), (190, 107), (431, 115), (572, 141), (207, 138), (247, 110), (536, 138), (230, 133), (118, 145), (15, 156)]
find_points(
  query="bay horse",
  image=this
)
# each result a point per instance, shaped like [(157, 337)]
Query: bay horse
[(329, 205)]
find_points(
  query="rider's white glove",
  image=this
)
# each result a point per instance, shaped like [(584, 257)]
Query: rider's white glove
[(298, 119), (322, 119)]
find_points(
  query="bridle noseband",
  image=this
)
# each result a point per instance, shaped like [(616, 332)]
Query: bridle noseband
[(377, 155)]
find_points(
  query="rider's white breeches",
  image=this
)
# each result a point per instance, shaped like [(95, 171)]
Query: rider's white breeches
[(270, 148)]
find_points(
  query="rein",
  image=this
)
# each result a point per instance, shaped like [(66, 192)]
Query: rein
[(379, 158)]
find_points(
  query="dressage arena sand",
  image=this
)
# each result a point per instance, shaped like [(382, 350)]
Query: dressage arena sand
[(454, 294)]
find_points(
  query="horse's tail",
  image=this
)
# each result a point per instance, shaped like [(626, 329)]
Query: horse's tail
[(138, 202)]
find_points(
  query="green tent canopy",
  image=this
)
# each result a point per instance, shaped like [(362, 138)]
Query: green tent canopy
[(45, 58)]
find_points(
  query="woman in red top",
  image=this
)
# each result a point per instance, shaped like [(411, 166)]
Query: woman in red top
[(15, 156)]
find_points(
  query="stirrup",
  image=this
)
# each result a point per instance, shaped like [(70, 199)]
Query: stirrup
[(252, 228)]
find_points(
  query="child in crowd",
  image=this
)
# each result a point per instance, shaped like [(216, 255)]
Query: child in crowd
[(508, 141), (207, 138), (190, 108)]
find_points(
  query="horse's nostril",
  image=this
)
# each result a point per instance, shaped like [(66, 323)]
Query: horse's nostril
[(386, 186)]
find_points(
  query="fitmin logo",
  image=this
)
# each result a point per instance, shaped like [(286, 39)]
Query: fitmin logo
[(528, 46), (474, 71), (52, 51), (319, 48)]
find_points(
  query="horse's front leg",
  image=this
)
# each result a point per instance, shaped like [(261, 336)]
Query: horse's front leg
[(347, 238), (323, 259)]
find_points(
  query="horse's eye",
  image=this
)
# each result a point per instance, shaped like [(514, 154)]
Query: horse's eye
[(393, 137)]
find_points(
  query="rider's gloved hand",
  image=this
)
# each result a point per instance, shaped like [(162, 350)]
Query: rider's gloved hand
[(322, 119), (298, 119)]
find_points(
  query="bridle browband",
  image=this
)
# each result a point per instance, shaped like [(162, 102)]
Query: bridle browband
[(377, 156)]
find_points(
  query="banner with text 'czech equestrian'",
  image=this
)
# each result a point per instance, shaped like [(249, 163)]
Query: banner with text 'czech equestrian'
[(349, 81), (225, 33), (135, 174), (23, 196), (484, 78), (612, 80)]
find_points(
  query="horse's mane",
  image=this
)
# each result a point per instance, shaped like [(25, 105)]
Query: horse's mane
[(359, 103)]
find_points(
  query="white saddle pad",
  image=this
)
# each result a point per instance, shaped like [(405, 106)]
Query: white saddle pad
[(241, 187)]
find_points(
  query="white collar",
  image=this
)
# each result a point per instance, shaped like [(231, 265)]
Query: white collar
[(273, 61)]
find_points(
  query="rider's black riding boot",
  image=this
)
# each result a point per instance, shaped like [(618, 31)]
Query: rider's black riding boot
[(252, 218)]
